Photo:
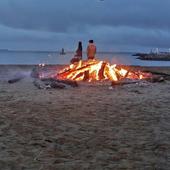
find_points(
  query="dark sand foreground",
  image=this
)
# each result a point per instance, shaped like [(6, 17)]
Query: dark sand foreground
[(92, 127)]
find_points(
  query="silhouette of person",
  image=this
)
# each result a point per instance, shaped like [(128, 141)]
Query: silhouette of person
[(79, 51)]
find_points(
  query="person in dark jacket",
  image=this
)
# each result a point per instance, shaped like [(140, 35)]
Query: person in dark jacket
[(79, 53), (79, 50)]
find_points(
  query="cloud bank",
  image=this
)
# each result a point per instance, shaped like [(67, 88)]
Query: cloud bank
[(114, 25)]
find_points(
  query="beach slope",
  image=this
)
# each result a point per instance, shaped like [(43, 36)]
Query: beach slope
[(90, 127)]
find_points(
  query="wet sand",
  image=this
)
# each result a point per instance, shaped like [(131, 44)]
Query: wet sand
[(91, 127)]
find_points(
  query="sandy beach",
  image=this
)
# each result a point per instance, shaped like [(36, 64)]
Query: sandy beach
[(90, 127)]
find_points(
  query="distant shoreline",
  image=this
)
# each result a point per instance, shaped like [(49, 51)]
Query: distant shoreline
[(29, 51), (153, 56), (53, 51)]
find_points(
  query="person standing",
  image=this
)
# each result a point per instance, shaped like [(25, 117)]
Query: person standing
[(78, 55), (91, 50), (79, 50)]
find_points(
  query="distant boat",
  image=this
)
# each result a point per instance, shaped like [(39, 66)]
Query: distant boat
[(62, 52)]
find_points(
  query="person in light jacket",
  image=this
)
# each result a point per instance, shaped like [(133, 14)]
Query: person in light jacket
[(91, 50)]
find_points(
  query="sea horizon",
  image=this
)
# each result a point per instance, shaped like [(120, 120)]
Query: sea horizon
[(34, 57), (67, 51)]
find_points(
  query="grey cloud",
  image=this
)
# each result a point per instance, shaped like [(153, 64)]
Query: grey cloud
[(60, 15), (127, 36), (110, 22)]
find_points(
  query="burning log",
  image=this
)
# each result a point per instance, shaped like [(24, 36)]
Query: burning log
[(110, 73), (71, 73), (126, 74), (101, 71), (86, 76), (81, 74)]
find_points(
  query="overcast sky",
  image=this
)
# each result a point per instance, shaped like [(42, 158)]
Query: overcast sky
[(113, 24)]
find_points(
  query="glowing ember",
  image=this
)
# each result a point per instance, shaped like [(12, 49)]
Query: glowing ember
[(94, 70)]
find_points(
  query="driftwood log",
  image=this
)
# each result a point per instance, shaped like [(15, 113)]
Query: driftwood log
[(16, 78), (71, 83), (49, 83), (156, 78), (153, 79), (121, 83), (164, 75), (56, 85), (39, 84)]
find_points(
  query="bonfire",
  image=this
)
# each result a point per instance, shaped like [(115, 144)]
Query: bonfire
[(96, 70), (90, 71)]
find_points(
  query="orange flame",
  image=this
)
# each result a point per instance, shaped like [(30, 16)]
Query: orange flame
[(93, 70)]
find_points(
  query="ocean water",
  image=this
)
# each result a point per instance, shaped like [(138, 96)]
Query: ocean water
[(28, 58)]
